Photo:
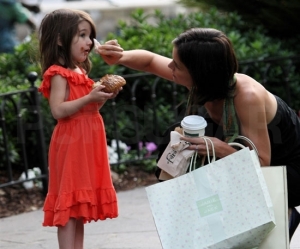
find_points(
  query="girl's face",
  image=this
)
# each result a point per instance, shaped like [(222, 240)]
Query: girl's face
[(81, 43), (180, 73)]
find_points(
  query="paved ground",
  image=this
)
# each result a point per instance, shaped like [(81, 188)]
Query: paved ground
[(133, 229)]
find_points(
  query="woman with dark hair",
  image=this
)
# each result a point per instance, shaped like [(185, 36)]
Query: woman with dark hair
[(204, 61)]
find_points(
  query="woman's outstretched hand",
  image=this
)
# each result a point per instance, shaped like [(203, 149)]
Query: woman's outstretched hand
[(110, 51)]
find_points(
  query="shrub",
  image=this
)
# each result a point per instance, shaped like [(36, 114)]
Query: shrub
[(155, 32)]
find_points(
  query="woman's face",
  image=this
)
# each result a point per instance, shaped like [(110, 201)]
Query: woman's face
[(180, 73)]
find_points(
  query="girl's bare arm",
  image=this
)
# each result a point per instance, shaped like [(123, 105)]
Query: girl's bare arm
[(61, 108)]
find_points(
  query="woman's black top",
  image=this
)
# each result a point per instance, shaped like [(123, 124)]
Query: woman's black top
[(284, 133)]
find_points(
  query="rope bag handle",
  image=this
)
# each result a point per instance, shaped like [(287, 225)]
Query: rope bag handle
[(242, 145), (210, 158)]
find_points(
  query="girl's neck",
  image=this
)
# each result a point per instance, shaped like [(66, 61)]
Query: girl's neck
[(76, 70)]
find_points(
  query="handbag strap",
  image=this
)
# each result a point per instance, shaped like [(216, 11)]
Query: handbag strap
[(189, 105), (230, 123)]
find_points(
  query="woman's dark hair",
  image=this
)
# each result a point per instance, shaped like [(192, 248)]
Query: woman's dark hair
[(210, 59), (62, 25)]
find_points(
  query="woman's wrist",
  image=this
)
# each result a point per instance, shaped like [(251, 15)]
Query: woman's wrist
[(223, 149)]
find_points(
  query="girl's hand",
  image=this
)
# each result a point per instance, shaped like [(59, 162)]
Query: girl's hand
[(97, 95), (110, 52), (116, 93)]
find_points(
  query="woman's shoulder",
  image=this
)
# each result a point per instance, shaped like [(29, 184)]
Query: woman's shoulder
[(251, 93), (245, 79), (248, 89)]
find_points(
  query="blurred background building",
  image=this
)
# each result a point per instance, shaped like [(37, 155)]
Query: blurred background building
[(105, 13)]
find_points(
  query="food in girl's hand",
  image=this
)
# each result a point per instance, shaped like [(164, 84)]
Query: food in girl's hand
[(112, 83)]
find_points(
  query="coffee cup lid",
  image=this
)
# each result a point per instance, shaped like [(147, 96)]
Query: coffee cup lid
[(193, 122)]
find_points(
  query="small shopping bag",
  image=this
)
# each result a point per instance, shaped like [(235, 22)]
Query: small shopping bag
[(175, 159), (276, 181), (222, 205)]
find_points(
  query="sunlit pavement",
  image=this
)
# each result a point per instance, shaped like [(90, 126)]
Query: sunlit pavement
[(133, 229)]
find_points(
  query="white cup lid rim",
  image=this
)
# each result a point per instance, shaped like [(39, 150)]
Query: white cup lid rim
[(193, 122)]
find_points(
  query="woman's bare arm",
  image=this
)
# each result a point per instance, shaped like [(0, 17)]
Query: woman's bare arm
[(141, 60), (250, 109), (250, 106), (147, 61)]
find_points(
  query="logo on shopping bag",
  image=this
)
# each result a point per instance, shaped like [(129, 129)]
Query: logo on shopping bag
[(170, 156), (209, 205)]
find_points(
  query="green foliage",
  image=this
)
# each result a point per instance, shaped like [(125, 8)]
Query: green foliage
[(15, 67), (155, 32), (134, 112), (158, 34), (14, 70)]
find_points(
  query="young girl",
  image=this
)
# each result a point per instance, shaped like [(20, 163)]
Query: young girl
[(80, 185)]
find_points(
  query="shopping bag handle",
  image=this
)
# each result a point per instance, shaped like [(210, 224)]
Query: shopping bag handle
[(243, 146), (192, 165), (207, 139), (207, 150)]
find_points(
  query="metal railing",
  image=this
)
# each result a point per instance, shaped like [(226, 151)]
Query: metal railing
[(141, 90), (20, 115), (141, 93)]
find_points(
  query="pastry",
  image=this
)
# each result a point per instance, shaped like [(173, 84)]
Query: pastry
[(111, 82)]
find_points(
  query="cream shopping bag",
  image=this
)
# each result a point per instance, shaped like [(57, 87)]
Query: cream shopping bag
[(276, 181), (222, 205)]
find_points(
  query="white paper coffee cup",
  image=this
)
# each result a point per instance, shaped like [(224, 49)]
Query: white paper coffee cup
[(193, 126)]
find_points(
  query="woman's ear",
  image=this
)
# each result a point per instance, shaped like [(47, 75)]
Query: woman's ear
[(58, 40)]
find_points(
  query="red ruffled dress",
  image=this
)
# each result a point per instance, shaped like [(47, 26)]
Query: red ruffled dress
[(80, 184)]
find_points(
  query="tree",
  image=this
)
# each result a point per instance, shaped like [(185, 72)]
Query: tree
[(280, 17)]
